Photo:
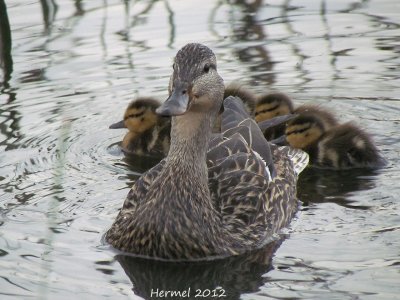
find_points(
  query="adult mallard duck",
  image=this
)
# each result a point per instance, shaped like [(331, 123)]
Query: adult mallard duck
[(213, 195), (334, 146), (149, 133)]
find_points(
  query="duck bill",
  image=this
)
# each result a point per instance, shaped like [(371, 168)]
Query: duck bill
[(177, 103), (118, 125)]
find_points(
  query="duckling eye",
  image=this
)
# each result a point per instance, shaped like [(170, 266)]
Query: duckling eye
[(206, 68)]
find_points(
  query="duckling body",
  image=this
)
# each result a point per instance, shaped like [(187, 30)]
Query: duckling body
[(212, 195), (149, 133), (339, 147)]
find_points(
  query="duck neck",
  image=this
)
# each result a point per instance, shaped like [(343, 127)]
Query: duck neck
[(190, 134)]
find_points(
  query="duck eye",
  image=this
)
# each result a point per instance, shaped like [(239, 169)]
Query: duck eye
[(206, 68)]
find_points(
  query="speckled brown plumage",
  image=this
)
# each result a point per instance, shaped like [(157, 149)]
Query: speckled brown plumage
[(215, 198)]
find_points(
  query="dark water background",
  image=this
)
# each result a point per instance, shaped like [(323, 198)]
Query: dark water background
[(75, 66)]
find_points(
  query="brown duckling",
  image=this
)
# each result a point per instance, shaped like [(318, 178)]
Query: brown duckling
[(149, 133), (273, 105), (339, 147)]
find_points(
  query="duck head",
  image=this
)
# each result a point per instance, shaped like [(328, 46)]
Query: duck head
[(139, 116), (273, 105), (304, 131), (195, 84)]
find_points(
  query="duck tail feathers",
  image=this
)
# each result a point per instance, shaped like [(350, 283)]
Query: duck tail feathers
[(299, 159)]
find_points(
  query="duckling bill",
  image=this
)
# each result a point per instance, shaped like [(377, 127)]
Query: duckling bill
[(213, 195)]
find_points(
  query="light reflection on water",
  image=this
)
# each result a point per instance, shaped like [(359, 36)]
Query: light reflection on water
[(74, 69)]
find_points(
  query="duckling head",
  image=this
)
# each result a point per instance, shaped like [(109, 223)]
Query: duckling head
[(195, 85), (273, 105), (139, 116), (327, 118), (304, 131)]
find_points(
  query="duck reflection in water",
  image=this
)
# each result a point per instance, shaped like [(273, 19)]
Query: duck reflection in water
[(319, 185), (226, 278)]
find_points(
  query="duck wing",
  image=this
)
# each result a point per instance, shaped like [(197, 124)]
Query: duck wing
[(236, 120), (241, 170)]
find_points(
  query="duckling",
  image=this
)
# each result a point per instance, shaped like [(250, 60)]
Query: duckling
[(213, 195), (149, 133), (270, 106), (339, 147)]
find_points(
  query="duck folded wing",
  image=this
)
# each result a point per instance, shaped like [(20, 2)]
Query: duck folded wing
[(236, 120)]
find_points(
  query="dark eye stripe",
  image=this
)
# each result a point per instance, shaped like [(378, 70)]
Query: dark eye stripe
[(267, 110), (135, 115), (298, 130)]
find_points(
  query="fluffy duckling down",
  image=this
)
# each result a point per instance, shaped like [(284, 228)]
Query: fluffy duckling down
[(149, 133), (273, 105), (341, 146)]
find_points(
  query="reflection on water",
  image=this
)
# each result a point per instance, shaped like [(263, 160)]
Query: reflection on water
[(318, 185), (229, 277), (6, 63), (72, 69)]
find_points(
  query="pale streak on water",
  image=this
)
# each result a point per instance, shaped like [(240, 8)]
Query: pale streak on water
[(62, 179)]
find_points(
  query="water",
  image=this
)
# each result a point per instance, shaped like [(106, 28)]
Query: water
[(76, 65)]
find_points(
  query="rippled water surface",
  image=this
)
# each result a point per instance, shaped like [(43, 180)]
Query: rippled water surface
[(76, 65)]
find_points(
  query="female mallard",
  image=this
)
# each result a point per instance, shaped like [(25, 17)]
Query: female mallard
[(149, 133), (208, 197), (339, 147)]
